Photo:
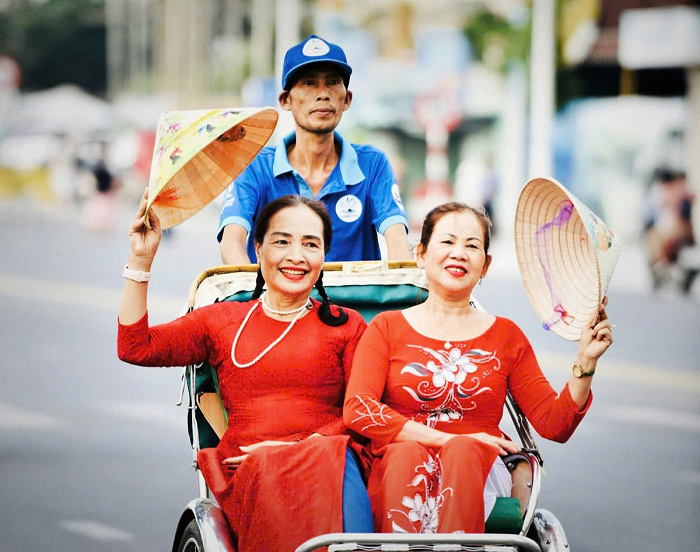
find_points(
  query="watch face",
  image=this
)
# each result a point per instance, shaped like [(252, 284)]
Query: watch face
[(577, 371)]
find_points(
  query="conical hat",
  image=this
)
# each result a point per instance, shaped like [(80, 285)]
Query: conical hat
[(198, 153), (566, 256)]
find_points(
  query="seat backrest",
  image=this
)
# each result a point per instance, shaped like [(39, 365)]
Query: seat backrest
[(369, 288)]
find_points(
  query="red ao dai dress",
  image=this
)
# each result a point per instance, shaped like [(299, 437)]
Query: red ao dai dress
[(399, 375), (280, 496)]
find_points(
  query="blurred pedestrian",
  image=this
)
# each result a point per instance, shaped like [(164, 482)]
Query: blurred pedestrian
[(668, 226), (100, 208), (356, 183)]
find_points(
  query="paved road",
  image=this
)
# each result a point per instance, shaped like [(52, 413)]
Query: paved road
[(94, 454)]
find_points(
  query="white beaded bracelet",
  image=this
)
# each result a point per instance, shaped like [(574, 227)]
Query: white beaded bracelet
[(136, 275)]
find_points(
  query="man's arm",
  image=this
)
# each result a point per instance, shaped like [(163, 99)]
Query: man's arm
[(233, 245), (397, 243)]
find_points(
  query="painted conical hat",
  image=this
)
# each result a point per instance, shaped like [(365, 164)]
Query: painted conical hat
[(198, 153), (566, 256)]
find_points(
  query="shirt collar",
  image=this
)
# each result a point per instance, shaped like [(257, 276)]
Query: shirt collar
[(349, 167)]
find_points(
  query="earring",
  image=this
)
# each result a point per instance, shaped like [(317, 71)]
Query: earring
[(481, 280)]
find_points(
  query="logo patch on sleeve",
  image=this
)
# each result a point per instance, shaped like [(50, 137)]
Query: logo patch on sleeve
[(229, 196), (397, 196)]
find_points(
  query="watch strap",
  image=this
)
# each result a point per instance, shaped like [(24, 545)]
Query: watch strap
[(579, 371), (136, 275)]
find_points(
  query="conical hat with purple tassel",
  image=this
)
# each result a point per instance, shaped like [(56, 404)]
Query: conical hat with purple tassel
[(566, 256), (198, 154)]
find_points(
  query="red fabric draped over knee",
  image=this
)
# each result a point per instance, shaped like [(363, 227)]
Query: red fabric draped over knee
[(280, 496), (466, 463)]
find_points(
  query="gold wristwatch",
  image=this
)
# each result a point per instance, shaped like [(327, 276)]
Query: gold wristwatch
[(579, 372)]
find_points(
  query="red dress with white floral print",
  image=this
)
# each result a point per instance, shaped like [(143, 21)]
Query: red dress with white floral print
[(284, 495), (400, 375)]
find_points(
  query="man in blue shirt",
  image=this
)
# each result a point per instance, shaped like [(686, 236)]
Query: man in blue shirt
[(356, 183)]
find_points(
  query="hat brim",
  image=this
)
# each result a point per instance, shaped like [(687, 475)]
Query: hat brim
[(566, 256), (289, 77), (195, 163)]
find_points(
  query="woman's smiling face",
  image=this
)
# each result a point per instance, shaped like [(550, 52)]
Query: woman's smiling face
[(455, 258), (292, 252)]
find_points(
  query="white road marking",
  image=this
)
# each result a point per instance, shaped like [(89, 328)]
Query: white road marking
[(95, 530), (13, 418), (653, 417), (81, 294)]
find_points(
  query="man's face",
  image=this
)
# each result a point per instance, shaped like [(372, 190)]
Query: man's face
[(317, 99)]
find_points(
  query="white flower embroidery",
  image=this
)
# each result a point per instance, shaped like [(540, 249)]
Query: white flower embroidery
[(449, 370), (423, 509), (455, 370), (425, 512)]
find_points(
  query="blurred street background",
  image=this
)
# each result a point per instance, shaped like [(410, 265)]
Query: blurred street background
[(468, 99)]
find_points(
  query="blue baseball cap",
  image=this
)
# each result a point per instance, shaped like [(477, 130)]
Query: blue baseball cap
[(313, 50)]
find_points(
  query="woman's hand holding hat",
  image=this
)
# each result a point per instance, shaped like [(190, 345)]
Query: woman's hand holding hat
[(596, 337), (144, 238)]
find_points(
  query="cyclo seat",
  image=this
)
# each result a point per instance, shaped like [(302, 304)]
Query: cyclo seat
[(370, 288)]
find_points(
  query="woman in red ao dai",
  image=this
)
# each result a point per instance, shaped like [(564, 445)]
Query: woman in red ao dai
[(429, 384), (281, 470)]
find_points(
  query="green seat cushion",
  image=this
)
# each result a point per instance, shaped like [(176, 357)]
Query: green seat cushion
[(505, 516), (367, 300)]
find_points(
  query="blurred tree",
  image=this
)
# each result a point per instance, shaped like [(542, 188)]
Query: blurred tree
[(56, 42), (495, 40)]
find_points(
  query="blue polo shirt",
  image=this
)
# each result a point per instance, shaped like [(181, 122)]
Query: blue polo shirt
[(361, 195)]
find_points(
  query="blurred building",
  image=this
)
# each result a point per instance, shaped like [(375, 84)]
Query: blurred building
[(468, 97), (629, 98)]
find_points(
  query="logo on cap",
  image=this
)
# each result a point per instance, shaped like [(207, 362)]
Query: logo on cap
[(315, 47)]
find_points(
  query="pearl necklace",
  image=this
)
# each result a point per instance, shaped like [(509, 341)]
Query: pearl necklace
[(269, 348), (268, 308)]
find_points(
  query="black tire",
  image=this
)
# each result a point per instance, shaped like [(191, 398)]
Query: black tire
[(191, 540)]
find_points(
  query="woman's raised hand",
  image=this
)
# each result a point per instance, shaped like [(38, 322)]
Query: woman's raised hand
[(596, 337), (144, 238)]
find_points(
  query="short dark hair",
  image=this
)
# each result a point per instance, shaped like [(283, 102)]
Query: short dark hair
[(440, 211), (262, 223)]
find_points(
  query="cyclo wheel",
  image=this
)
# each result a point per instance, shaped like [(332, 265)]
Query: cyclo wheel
[(191, 540)]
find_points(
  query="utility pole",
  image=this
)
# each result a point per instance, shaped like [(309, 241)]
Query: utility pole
[(542, 67), (114, 21), (287, 23), (261, 37)]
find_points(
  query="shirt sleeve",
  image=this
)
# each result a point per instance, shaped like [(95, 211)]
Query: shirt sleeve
[(182, 342), (385, 198), (554, 416), (363, 411), (241, 201)]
